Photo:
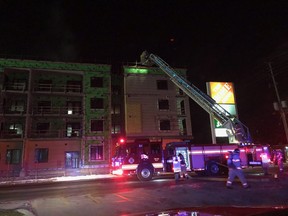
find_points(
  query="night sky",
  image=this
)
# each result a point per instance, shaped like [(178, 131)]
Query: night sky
[(215, 40)]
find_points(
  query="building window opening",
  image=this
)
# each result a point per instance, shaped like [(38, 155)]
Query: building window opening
[(163, 104), (162, 85), (43, 127), (73, 107), (97, 82), (73, 129), (72, 160), (16, 128), (165, 125), (44, 107), (97, 103), (96, 152), (13, 156), (97, 125), (41, 155)]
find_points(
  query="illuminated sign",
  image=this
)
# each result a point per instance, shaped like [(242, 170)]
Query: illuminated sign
[(222, 92)]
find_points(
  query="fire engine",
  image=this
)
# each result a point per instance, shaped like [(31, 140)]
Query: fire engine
[(144, 158)]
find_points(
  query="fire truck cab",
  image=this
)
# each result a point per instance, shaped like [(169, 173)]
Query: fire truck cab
[(141, 158)]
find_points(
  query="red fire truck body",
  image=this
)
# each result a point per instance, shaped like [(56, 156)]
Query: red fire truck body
[(148, 159)]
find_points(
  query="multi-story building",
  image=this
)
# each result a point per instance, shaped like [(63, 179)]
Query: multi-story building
[(61, 118), (54, 117), (156, 110)]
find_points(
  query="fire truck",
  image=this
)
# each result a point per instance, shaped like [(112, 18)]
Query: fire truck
[(144, 158)]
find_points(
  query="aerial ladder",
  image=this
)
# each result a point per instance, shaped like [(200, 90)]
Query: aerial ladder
[(230, 122)]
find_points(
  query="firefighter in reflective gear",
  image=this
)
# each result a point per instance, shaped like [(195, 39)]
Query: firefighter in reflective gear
[(234, 165), (278, 159), (183, 172), (265, 163), (176, 167)]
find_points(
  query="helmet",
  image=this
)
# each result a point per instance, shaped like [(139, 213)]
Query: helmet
[(237, 151)]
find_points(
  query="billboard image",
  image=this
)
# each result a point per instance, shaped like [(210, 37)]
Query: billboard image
[(223, 94)]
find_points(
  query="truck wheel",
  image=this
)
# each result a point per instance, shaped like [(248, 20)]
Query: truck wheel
[(213, 169), (145, 171)]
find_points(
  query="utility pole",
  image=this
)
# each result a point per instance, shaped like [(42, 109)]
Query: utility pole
[(282, 112)]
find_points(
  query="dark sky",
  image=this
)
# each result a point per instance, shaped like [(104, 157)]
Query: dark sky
[(215, 40)]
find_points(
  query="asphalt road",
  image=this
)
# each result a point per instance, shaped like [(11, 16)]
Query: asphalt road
[(121, 196)]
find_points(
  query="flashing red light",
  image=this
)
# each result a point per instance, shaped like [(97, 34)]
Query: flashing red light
[(121, 140)]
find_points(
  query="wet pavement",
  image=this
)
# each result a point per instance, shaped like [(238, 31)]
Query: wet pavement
[(204, 194)]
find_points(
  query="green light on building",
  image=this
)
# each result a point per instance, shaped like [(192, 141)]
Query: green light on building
[(136, 70)]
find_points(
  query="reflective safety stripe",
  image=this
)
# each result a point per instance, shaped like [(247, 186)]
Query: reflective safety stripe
[(134, 166), (129, 166), (157, 165)]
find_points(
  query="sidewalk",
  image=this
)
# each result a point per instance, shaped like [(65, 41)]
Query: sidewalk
[(16, 181)]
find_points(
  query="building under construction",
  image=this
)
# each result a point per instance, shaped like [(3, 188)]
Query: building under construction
[(61, 118)]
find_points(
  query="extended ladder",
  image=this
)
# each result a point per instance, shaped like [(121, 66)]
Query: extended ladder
[(240, 131)]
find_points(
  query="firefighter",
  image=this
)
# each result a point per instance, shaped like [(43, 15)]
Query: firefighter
[(183, 173), (235, 169), (278, 159), (265, 163), (176, 167)]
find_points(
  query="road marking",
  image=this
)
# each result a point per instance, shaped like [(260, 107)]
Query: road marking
[(123, 197), (96, 200)]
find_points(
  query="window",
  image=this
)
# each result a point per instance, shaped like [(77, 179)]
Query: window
[(97, 103), (17, 106), (155, 148), (43, 127), (182, 105), (73, 129), (162, 85), (15, 128), (96, 152), (41, 155), (44, 106), (97, 82), (163, 104), (74, 86), (115, 109), (116, 129), (73, 107), (13, 156), (44, 85), (97, 125), (116, 90), (164, 125)]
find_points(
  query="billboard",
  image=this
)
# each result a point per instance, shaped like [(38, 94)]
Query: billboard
[(223, 94)]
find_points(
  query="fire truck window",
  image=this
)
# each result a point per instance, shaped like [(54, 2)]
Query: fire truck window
[(131, 151), (155, 149), (146, 149)]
